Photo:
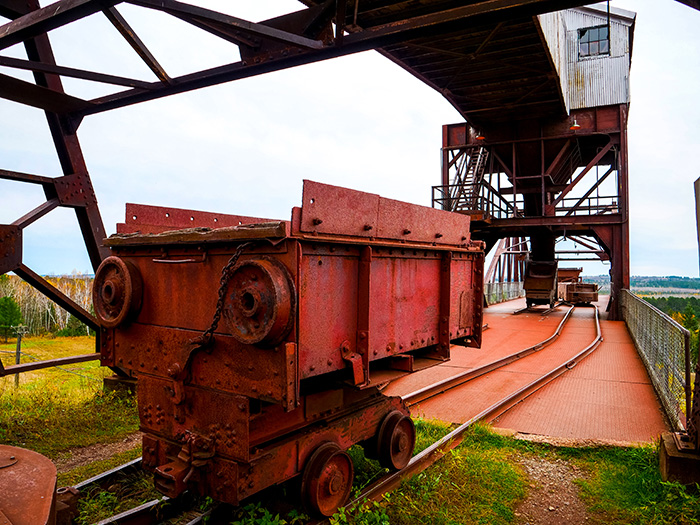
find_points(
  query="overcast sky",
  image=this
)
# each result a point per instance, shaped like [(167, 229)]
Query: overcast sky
[(359, 122)]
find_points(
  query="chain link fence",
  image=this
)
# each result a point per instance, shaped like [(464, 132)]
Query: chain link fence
[(664, 346), (502, 292)]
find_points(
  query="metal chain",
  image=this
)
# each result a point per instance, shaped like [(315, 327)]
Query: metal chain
[(207, 337)]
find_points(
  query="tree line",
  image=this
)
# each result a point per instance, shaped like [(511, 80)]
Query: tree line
[(21, 303), (686, 312)]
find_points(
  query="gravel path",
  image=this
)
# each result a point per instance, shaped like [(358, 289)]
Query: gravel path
[(552, 497)]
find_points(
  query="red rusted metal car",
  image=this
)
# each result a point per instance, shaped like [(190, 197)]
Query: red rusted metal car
[(259, 346)]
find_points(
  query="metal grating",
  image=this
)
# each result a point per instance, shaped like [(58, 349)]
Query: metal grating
[(664, 347)]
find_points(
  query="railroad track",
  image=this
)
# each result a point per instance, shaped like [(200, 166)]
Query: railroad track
[(532, 310), (155, 511)]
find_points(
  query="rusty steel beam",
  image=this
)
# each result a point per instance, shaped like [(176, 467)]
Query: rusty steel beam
[(37, 213), (17, 90), (49, 363), (190, 12), (137, 45), (26, 177), (585, 171), (592, 189), (40, 67), (302, 51), (42, 20)]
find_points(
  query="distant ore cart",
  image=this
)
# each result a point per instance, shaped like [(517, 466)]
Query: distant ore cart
[(540, 282), (572, 289)]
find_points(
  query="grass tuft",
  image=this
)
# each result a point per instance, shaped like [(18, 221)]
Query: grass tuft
[(78, 474), (57, 409), (625, 486), (125, 493)]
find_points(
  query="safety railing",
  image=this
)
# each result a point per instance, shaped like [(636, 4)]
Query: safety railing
[(476, 198), (664, 346), (502, 292)]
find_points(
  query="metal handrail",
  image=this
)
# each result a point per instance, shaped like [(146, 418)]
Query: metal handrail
[(664, 346)]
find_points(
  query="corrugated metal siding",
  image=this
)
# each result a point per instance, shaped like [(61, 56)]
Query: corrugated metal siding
[(600, 80), (554, 31)]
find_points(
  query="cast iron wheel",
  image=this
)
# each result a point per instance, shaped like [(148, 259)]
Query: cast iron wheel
[(327, 479), (116, 292), (396, 439)]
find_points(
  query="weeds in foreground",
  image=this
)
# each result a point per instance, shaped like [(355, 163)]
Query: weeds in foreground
[(83, 472), (473, 483), (57, 409), (255, 514), (125, 493), (624, 486), (51, 422)]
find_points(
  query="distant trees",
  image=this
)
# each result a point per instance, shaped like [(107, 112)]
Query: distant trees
[(686, 312), (10, 315), (39, 313)]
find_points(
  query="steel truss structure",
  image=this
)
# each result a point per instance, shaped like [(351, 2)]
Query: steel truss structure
[(518, 181)]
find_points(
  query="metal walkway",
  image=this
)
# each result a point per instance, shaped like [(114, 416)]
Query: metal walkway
[(608, 397)]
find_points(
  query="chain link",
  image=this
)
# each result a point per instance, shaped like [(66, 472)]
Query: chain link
[(208, 336)]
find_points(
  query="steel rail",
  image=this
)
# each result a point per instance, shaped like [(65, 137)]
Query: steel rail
[(440, 387), (105, 477), (438, 449)]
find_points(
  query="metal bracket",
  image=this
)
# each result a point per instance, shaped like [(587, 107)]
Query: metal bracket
[(10, 247), (74, 190), (683, 442), (355, 361)]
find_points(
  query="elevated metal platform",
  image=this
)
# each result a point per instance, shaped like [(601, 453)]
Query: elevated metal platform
[(607, 397)]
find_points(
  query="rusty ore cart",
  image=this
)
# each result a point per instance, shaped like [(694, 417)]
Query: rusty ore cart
[(259, 347)]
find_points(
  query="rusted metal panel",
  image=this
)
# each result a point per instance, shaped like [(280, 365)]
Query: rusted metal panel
[(219, 418), (28, 487), (343, 212), (156, 219), (338, 211)]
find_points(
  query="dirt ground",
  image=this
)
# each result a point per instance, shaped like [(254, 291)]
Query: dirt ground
[(552, 496), (78, 457)]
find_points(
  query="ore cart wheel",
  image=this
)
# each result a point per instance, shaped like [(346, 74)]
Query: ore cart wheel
[(396, 439), (327, 479)]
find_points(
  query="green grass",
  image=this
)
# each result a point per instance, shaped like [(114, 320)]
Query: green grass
[(624, 486), (78, 474), (480, 482), (51, 422), (125, 493), (54, 410), (474, 483)]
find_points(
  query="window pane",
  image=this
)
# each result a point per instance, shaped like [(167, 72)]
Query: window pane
[(593, 34), (604, 46), (584, 49), (584, 37), (603, 33), (594, 48)]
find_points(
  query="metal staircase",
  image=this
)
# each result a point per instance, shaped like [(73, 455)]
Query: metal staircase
[(465, 188)]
